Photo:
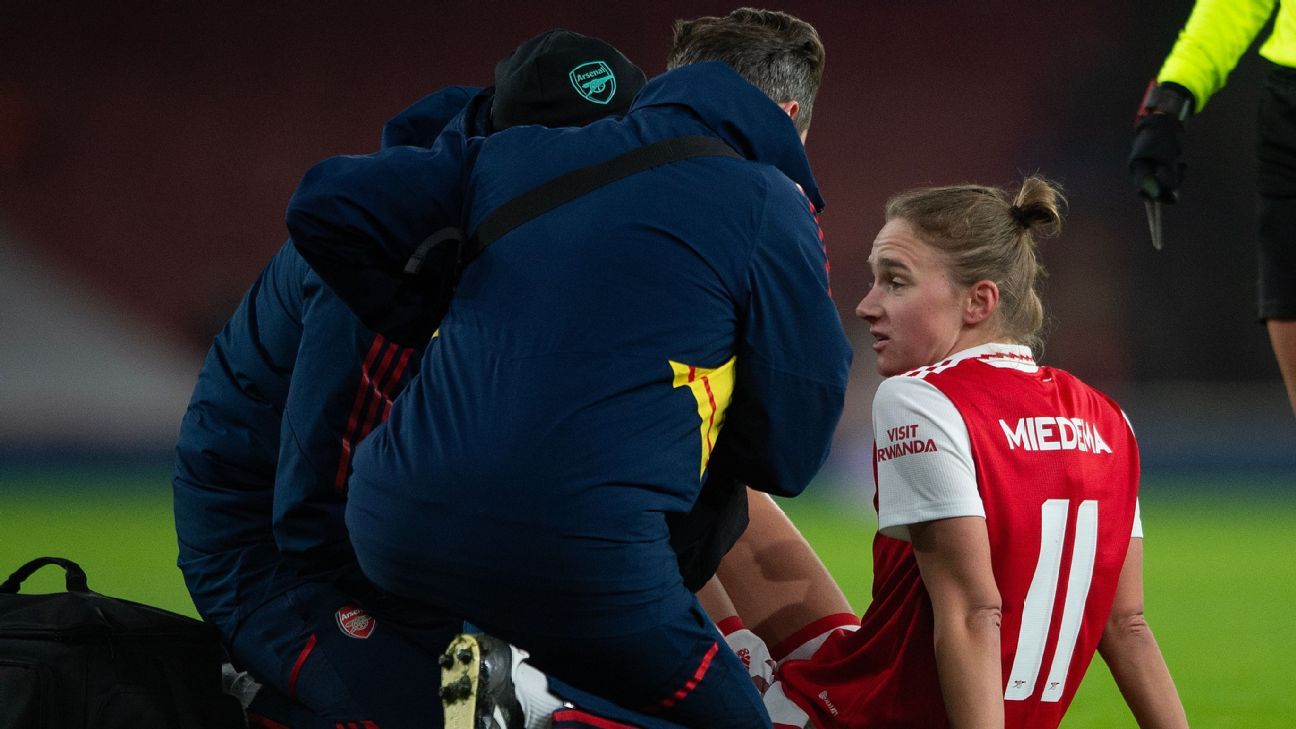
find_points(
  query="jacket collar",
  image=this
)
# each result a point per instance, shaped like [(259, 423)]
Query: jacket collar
[(739, 113)]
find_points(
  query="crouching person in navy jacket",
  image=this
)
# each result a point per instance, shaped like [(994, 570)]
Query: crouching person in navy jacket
[(289, 388), (595, 363)]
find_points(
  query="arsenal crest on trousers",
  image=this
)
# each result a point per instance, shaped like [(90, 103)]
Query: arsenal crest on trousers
[(355, 622)]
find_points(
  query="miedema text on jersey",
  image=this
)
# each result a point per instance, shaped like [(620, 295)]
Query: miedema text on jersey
[(596, 357)]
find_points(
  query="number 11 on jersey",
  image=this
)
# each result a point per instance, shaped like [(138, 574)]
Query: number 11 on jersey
[(1037, 612)]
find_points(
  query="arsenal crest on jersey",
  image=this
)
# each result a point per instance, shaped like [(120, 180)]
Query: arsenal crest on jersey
[(355, 622)]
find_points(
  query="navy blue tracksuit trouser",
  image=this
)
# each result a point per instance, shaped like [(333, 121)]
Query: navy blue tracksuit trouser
[(679, 673), (327, 660)]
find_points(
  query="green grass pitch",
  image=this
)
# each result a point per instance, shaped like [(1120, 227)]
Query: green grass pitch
[(1221, 573)]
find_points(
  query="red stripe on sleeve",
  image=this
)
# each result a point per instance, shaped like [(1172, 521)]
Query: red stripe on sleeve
[(344, 462), (827, 261), (706, 384), (382, 384), (819, 229), (390, 388), (698, 675), (256, 721), (577, 717), (348, 435), (384, 389), (375, 386)]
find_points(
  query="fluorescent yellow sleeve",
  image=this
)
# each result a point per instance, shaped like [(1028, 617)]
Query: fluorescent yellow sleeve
[(1281, 46), (1216, 35)]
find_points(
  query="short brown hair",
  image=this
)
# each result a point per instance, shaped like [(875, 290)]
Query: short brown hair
[(987, 233), (779, 53)]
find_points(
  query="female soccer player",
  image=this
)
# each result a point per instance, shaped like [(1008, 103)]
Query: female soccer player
[(1006, 495)]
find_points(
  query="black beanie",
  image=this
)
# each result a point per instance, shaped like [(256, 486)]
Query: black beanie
[(560, 78)]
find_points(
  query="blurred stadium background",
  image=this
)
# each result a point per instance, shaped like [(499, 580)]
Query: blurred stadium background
[(147, 151)]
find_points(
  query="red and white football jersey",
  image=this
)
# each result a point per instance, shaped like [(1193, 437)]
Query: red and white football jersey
[(1052, 466)]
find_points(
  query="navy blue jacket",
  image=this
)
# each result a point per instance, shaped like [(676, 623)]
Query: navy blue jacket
[(289, 387), (590, 357)]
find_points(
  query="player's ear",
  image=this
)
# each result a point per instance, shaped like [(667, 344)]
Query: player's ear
[(980, 302)]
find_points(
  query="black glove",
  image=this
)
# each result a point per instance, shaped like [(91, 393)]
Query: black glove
[(1156, 157)]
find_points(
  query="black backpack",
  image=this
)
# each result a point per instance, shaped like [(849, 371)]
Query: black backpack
[(81, 660)]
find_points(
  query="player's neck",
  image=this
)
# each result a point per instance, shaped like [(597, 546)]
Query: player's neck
[(977, 336)]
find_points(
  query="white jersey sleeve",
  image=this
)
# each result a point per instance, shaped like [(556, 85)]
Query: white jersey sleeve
[(1137, 532), (924, 457)]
